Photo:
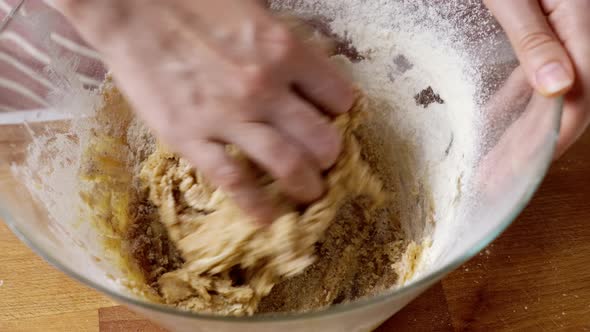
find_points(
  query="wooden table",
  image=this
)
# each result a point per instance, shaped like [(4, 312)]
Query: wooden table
[(535, 277)]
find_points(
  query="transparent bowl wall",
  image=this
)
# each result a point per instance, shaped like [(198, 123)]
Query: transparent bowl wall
[(504, 150)]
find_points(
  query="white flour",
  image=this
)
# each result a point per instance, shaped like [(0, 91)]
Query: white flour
[(408, 47)]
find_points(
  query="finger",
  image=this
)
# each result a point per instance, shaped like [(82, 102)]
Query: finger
[(524, 140), (304, 124), (574, 27), (212, 160), (514, 94), (283, 160), (545, 60), (319, 80)]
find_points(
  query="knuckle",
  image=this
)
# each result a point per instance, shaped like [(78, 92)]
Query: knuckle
[(274, 147), (330, 146), (324, 138), (321, 125), (253, 82), (282, 43), (533, 40), (324, 134), (291, 166), (228, 177), (318, 135), (248, 203)]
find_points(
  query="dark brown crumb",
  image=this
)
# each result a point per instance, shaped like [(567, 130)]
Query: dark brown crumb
[(427, 97), (345, 47)]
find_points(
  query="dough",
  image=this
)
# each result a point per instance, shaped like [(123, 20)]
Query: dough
[(183, 242), (231, 263)]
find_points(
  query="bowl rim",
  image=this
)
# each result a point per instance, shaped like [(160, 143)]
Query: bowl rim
[(423, 281)]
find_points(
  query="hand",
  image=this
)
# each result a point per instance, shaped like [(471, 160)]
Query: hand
[(204, 74), (552, 41)]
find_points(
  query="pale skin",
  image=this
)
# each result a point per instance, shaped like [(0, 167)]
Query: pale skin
[(204, 74), (552, 41)]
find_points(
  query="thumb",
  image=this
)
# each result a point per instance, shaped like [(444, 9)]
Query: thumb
[(542, 55)]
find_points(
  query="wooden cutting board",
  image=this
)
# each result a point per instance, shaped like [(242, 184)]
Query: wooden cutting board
[(535, 277)]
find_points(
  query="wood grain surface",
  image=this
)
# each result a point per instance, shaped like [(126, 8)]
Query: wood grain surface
[(535, 277)]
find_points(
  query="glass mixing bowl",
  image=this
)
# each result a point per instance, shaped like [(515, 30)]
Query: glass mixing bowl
[(483, 157)]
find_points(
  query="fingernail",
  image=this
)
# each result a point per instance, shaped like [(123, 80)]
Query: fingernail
[(553, 79)]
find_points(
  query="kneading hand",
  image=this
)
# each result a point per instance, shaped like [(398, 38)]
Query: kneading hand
[(552, 41), (204, 74)]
